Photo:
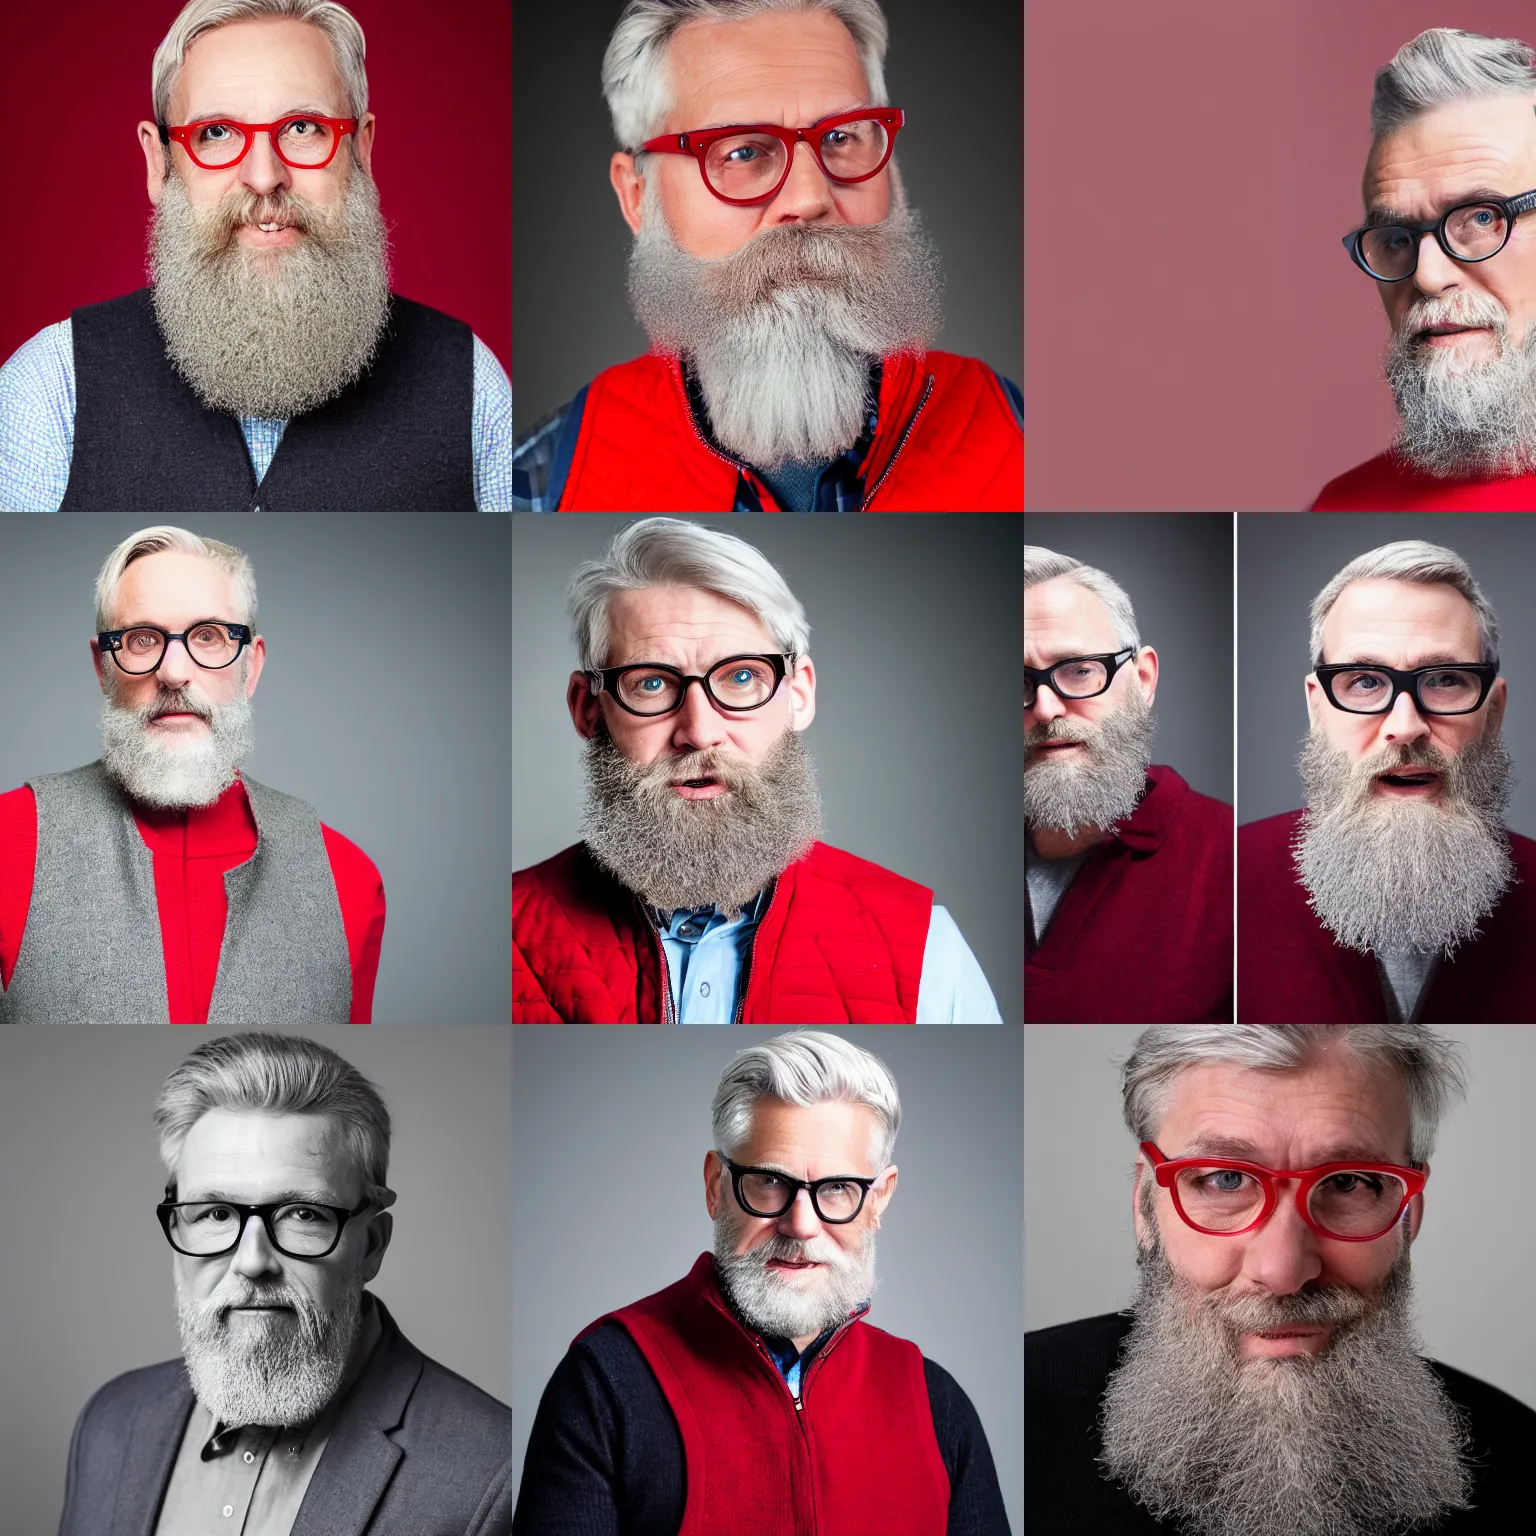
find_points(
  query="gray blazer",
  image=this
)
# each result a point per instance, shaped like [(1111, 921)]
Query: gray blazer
[(415, 1451)]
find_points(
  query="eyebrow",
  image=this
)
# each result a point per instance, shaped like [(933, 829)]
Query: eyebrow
[(234, 117), (677, 666), (1434, 659), (297, 1196), (736, 122), (1247, 1151), (1381, 214)]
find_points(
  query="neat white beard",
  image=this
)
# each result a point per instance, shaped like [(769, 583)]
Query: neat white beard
[(170, 771), (1071, 797)]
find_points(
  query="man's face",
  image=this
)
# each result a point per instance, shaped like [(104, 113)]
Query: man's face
[(794, 1274)]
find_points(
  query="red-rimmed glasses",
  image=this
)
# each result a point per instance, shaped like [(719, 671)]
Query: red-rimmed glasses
[(304, 141), (750, 163), (1353, 1202)]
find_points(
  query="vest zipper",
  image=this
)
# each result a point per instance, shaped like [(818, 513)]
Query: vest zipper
[(725, 458), (746, 969), (666, 970), (869, 495)]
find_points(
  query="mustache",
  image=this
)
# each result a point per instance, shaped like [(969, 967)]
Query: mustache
[(1061, 729), (1455, 309), (837, 256), (793, 1250), (171, 701), (241, 206), (1320, 1305)]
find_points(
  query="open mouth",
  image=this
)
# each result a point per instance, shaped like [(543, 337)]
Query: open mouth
[(705, 788), (1404, 780)]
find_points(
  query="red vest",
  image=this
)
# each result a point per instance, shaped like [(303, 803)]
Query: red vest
[(841, 943), (1383, 484), (947, 441), (858, 1457)]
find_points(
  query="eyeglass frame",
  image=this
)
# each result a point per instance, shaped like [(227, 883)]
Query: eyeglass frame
[(1166, 1169), (697, 142), (738, 1169), (111, 642), (604, 680), (1044, 676), (1510, 207), (1407, 682), (182, 133), (265, 1212)]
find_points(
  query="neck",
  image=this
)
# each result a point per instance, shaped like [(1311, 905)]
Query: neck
[(1054, 843)]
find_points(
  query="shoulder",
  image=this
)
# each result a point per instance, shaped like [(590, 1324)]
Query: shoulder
[(18, 808), (1355, 489), (110, 1406), (458, 1405), (950, 368), (1522, 849), (1073, 1357), (407, 315), (558, 876), (352, 867), (1495, 1413), (838, 865), (42, 359), (1270, 839)]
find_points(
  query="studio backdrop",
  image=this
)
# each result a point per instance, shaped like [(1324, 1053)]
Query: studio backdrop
[(591, 1107), (954, 69), (383, 703), (1471, 1264), (919, 755), (86, 1271)]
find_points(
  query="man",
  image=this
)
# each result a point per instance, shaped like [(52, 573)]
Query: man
[(1268, 1380), (789, 292), (268, 367), (298, 1408), (750, 1397), (159, 884), (1398, 893), (700, 893), (1128, 871), (1448, 181)]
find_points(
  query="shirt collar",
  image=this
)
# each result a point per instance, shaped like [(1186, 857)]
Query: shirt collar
[(1146, 827), (699, 918)]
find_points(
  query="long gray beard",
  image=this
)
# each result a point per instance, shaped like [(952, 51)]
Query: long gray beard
[(1362, 1440), (1073, 796), (1420, 874), (674, 852), (283, 1373), (781, 333), (176, 774), (270, 332)]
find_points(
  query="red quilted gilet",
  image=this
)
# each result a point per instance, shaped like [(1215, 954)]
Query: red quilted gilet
[(841, 943), (858, 1458), (947, 441)]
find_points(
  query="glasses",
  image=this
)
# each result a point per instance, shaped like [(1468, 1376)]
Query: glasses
[(750, 163), (1350, 1202), (212, 644), (1078, 677), (1468, 232), (1456, 690), (652, 688), (306, 143), (206, 1229), (765, 1192)]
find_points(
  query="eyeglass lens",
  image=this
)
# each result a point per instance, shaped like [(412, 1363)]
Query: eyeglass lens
[(1474, 233), (763, 1194), (1073, 680), (748, 165), (1444, 691), (210, 645), (1345, 1204), (741, 684), (303, 1231), (300, 141)]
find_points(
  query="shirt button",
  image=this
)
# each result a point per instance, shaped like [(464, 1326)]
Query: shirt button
[(229, 1509), (703, 989), (250, 1456)]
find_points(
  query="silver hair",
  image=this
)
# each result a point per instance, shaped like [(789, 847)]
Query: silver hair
[(280, 1075), (1042, 564), (805, 1067), (1444, 65), (1431, 1066), (1417, 561), (635, 81), (669, 552), (157, 540), (199, 16)]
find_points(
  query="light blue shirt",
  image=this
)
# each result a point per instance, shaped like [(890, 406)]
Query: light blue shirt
[(706, 954), (37, 426)]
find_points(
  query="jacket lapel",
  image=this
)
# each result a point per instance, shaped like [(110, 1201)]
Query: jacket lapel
[(148, 1456)]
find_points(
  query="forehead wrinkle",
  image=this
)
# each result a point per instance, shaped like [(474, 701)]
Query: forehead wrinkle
[(1476, 163)]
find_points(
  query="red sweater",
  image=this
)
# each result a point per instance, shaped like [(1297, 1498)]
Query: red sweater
[(1291, 970), (192, 850), (1143, 935), (1383, 484)]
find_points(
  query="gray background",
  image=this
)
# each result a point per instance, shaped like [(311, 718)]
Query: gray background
[(914, 633), (85, 1270), (400, 743), (587, 1102), (1176, 567), (1472, 1261), (1283, 562), (955, 68)]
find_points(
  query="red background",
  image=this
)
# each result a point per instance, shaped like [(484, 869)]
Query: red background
[(75, 229), (1231, 359)]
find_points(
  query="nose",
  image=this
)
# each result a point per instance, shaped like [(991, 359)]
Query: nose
[(800, 1221), (1047, 706), (1436, 271), (1283, 1254), (1403, 722), (697, 725), (255, 1256), (176, 667), (261, 170), (806, 193)]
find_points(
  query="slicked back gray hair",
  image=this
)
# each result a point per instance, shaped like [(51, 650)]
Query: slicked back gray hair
[(635, 81), (806, 1067), (1444, 65), (281, 1075), (1417, 561), (669, 552), (1042, 564), (154, 541), (1430, 1066), (199, 16)]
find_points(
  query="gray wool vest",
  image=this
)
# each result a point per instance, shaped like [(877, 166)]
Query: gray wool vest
[(91, 951)]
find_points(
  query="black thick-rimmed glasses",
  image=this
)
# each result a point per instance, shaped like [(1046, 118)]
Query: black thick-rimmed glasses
[(1077, 677), (212, 643), (768, 1193), (300, 1229), (1469, 232), (734, 684), (1360, 688)]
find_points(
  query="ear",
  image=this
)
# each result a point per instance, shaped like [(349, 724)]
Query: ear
[(380, 1229), (585, 706), (363, 137), (1315, 698), (802, 693), (713, 1197), (1415, 1214), (100, 663), (1142, 1237), (257, 651), (1497, 698), (628, 187), (1146, 673), (157, 160), (880, 1194)]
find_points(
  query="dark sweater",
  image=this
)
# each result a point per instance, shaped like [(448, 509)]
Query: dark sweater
[(605, 1457), (1066, 1494)]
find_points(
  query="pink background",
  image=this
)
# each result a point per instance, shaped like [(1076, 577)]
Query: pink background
[(1167, 372)]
